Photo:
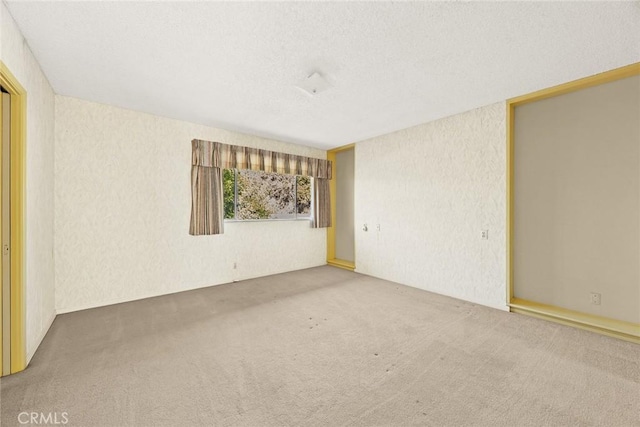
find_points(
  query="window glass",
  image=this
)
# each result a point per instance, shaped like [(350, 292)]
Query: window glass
[(303, 196), (251, 195)]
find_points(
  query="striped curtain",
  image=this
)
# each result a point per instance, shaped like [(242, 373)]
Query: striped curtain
[(210, 158), (321, 203), (206, 201)]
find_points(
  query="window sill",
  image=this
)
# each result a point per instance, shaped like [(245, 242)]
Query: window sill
[(229, 221)]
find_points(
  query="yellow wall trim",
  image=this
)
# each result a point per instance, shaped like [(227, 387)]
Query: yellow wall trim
[(606, 326), (603, 325), (331, 231), (341, 264), (598, 79), (18, 170)]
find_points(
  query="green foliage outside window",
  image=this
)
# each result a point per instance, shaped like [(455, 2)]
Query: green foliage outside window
[(303, 195), (228, 185), (260, 195)]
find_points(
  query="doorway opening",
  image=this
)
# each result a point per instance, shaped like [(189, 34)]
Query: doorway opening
[(341, 235)]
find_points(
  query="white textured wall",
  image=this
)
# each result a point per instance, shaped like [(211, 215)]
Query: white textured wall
[(123, 199), (433, 188), (39, 268)]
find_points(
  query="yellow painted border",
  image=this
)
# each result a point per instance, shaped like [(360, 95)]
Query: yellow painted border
[(331, 231), (604, 325), (598, 79), (1, 266), (342, 264), (612, 327), (18, 169)]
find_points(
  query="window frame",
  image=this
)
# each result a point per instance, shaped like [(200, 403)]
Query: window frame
[(296, 218)]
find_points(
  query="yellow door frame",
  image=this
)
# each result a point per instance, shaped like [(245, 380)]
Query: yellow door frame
[(616, 328), (331, 231), (17, 212)]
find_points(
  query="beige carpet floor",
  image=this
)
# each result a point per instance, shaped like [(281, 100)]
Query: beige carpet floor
[(322, 347)]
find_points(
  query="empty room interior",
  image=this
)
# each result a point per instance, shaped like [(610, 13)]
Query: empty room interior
[(320, 213)]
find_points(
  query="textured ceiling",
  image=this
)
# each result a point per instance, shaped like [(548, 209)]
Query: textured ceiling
[(390, 65)]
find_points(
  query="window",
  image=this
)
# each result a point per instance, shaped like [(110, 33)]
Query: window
[(261, 195)]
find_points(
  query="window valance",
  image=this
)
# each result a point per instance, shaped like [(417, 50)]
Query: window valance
[(225, 156), (210, 158)]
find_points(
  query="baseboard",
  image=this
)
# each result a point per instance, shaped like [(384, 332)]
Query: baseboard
[(43, 333), (66, 310), (611, 327), (106, 303), (258, 276), (347, 265), (499, 306)]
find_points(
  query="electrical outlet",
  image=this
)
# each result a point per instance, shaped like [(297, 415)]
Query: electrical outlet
[(378, 227), (485, 234), (235, 265), (595, 298)]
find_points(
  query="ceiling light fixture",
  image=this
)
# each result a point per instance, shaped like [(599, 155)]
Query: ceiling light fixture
[(314, 84)]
